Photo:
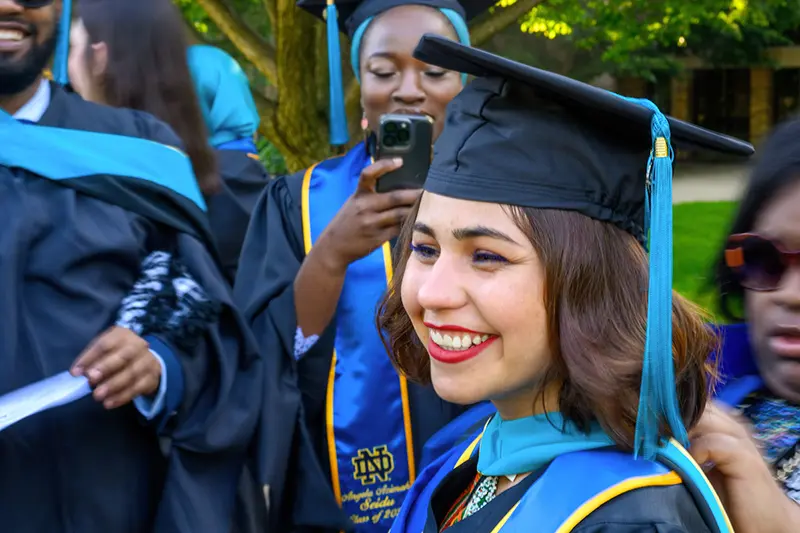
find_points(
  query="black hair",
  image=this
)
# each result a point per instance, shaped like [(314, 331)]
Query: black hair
[(777, 166)]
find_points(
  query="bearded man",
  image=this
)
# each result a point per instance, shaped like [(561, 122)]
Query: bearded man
[(87, 193)]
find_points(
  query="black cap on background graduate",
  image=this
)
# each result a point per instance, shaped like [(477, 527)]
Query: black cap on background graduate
[(523, 136), (60, 72), (352, 18)]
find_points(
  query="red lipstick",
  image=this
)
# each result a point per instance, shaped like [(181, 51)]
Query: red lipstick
[(453, 357), (451, 328), (456, 356)]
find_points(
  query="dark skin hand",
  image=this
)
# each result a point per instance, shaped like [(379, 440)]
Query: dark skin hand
[(754, 501), (366, 221), (119, 367)]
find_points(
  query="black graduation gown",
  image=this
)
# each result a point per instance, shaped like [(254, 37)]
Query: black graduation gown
[(69, 253), (292, 452), (668, 509), (243, 181)]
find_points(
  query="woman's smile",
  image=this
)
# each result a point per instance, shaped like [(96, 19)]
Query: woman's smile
[(456, 344)]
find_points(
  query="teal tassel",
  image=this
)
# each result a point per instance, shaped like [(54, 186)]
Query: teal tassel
[(338, 118), (60, 71), (658, 400)]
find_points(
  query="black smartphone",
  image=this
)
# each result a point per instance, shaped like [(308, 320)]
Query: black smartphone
[(409, 137)]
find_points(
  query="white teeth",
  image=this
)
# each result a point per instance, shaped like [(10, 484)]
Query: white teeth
[(456, 342), (11, 35)]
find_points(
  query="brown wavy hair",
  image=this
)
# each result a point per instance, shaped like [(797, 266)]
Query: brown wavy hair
[(595, 296), (148, 70)]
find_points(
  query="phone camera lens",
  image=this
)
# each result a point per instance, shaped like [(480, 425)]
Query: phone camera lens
[(390, 127), (390, 140), (403, 136)]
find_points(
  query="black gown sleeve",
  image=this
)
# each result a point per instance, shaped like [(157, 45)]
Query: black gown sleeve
[(290, 440), (243, 181), (210, 434)]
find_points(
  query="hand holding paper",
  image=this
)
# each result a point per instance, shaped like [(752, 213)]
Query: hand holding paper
[(40, 396)]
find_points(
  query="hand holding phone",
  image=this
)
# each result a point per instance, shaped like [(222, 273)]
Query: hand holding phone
[(409, 137)]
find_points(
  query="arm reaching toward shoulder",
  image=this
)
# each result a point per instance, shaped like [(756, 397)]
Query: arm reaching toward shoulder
[(754, 501)]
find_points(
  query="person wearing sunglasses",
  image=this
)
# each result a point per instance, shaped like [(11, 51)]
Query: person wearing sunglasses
[(758, 284), (88, 193)]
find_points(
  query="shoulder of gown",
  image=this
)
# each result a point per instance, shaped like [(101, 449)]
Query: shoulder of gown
[(229, 209), (69, 110), (272, 252), (669, 509), (264, 290)]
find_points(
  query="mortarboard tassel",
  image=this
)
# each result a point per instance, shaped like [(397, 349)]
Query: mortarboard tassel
[(658, 401), (60, 72), (338, 118)]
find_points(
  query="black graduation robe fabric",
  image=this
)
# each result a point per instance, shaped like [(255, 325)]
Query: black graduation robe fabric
[(292, 451), (668, 509), (243, 181), (69, 253)]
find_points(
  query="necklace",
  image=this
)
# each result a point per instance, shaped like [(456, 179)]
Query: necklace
[(484, 493)]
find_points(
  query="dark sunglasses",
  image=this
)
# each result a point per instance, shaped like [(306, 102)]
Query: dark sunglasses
[(758, 263), (33, 4)]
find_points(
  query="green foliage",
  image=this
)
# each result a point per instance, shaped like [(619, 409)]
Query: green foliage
[(271, 157), (205, 31), (640, 37), (699, 229), (251, 11)]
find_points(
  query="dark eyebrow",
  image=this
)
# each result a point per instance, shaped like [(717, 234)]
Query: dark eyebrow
[(419, 227), (473, 232), (384, 55)]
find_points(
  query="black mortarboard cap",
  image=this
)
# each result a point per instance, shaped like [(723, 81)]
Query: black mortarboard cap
[(523, 136), (353, 12), (554, 142)]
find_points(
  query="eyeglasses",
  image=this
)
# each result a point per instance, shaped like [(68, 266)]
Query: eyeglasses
[(33, 4), (758, 263)]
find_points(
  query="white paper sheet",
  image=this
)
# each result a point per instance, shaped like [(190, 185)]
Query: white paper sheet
[(56, 390)]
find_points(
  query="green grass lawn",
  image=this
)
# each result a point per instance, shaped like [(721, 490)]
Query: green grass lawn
[(699, 229)]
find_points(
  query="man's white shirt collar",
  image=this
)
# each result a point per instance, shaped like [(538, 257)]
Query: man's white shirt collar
[(35, 108)]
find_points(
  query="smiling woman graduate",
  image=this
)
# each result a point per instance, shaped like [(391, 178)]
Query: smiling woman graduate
[(313, 268), (523, 280)]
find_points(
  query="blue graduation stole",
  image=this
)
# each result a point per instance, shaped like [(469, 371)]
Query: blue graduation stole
[(73, 154), (555, 503), (368, 422), (737, 365)]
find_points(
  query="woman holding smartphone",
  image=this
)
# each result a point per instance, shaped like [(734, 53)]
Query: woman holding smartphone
[(343, 434)]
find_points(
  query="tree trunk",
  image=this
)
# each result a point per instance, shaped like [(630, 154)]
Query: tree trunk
[(300, 128), (296, 122)]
